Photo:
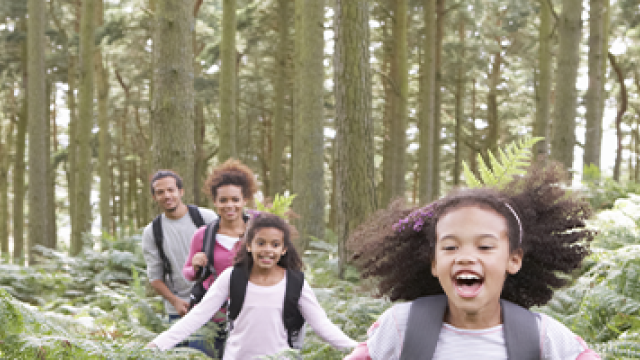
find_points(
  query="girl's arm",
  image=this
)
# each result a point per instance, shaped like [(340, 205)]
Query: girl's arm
[(315, 315), (196, 247), (199, 315)]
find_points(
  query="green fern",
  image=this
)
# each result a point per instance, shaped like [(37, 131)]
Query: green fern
[(280, 205), (513, 161)]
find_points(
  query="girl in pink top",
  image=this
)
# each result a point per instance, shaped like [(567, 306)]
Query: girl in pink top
[(259, 329), (478, 248), (230, 186)]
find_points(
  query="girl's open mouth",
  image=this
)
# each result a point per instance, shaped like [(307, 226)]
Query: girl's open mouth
[(468, 284)]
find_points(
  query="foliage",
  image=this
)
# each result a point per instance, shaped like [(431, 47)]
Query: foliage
[(602, 193), (603, 303), (279, 206), (514, 160)]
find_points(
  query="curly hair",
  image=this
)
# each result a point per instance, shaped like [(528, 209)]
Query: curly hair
[(555, 239), (231, 172), (290, 260)]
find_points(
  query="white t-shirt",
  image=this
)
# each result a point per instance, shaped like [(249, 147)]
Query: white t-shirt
[(386, 338), (259, 329)]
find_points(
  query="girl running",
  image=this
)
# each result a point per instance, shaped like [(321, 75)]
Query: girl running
[(269, 262), (469, 265)]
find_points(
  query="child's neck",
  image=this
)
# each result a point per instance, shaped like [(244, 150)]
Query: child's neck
[(482, 318), (266, 277)]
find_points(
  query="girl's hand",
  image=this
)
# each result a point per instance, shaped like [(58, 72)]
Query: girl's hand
[(199, 260), (151, 346)]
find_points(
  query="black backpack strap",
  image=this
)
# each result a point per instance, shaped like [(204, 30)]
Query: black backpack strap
[(208, 246), (237, 290), (196, 216), (159, 238), (521, 334), (423, 327), (291, 316)]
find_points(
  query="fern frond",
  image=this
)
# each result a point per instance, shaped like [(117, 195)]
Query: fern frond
[(514, 159)]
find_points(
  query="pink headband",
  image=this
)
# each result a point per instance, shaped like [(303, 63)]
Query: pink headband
[(517, 219)]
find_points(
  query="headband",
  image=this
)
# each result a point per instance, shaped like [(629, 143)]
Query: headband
[(515, 215)]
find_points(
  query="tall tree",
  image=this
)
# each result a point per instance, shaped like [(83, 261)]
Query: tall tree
[(173, 97), (19, 167), (426, 114), (543, 90), (5, 148), (50, 139), (622, 108), (308, 129), (564, 115), (355, 198), (228, 121), (279, 137), (102, 85), (593, 131), (459, 112), (85, 125)]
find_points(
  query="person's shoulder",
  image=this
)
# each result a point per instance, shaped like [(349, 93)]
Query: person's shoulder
[(207, 214), (147, 232), (558, 341)]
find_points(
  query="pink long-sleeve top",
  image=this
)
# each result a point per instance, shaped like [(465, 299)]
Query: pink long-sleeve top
[(222, 257), (258, 330)]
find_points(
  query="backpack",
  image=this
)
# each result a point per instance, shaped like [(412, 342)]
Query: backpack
[(208, 246), (291, 316), (520, 328), (198, 221)]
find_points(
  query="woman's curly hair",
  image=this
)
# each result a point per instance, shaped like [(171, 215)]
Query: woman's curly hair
[(231, 172), (397, 245)]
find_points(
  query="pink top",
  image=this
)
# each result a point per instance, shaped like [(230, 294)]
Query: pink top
[(222, 258), (259, 329)]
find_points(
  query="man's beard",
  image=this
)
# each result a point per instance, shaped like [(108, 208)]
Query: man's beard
[(172, 209)]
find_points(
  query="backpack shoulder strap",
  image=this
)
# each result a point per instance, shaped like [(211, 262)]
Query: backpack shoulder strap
[(423, 327), (237, 290), (291, 316), (521, 334), (159, 240), (196, 216), (208, 247)]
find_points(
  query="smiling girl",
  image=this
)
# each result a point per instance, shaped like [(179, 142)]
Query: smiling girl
[(469, 266), (268, 259)]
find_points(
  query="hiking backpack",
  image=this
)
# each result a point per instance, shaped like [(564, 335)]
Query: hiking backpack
[(291, 316), (520, 328), (208, 246), (158, 236)]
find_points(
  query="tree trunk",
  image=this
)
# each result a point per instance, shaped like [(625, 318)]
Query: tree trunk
[(227, 138), (279, 122), (492, 104), (460, 84), (37, 126), (622, 108), (564, 120), (104, 151), (5, 159), (51, 237), (427, 103), (72, 170), (593, 133), (308, 130), (85, 125), (390, 88), (434, 175), (400, 78), (354, 126), (543, 91), (19, 168), (173, 101)]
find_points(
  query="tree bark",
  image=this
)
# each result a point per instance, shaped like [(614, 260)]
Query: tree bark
[(51, 237), (564, 120), (85, 125), (427, 104), (460, 85), (543, 91), (400, 78), (308, 130), (354, 126), (390, 88), (5, 148), (104, 151), (434, 175), (19, 167), (173, 101), (279, 122), (228, 121), (622, 108), (593, 131)]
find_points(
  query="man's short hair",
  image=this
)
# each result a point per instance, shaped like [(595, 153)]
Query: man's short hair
[(161, 174)]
